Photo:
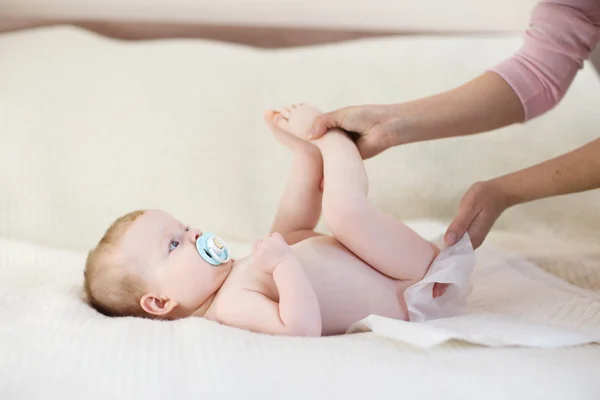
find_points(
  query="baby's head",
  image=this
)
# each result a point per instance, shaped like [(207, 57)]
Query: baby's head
[(147, 265)]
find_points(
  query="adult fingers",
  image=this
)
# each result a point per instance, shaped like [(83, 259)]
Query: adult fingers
[(460, 224), (480, 227), (324, 122)]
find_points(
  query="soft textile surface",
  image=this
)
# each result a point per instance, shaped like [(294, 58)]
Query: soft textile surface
[(53, 343), (91, 129)]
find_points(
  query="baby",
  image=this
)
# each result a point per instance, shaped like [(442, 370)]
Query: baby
[(296, 282)]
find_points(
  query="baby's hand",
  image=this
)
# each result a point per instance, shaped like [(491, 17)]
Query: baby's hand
[(269, 252)]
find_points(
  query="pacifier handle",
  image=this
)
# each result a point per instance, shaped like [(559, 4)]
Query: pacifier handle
[(213, 249)]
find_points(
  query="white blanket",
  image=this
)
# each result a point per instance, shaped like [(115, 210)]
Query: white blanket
[(92, 128), (52, 342)]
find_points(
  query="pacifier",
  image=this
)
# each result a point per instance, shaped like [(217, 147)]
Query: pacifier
[(212, 249)]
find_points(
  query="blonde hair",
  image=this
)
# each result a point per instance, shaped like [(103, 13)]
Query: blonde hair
[(110, 287)]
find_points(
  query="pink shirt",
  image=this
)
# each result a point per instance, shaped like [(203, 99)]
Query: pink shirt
[(561, 35)]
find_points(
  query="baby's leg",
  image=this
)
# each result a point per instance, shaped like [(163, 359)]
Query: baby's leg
[(378, 238), (300, 205), (381, 240)]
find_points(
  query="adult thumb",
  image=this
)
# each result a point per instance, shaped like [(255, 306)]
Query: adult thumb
[(325, 122), (459, 226), (370, 145)]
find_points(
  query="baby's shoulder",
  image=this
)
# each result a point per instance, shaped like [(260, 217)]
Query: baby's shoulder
[(235, 295), (243, 279)]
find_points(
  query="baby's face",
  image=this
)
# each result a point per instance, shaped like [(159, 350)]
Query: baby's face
[(163, 252)]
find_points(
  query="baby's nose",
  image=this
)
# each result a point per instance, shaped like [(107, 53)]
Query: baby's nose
[(193, 235)]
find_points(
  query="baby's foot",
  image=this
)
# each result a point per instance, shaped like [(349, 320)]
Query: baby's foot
[(297, 119), (290, 126)]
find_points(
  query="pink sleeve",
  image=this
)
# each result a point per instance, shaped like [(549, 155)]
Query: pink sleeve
[(561, 35)]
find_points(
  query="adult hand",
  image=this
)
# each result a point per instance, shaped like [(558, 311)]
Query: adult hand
[(479, 209), (483, 104), (374, 128)]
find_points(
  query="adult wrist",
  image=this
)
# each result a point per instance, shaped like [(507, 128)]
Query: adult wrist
[(407, 125), (507, 191)]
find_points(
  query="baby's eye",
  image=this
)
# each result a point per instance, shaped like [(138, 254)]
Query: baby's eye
[(173, 245)]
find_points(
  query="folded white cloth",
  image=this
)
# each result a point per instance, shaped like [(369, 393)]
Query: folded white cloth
[(453, 266), (513, 303)]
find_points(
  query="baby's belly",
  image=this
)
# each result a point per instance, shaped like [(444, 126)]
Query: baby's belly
[(348, 289)]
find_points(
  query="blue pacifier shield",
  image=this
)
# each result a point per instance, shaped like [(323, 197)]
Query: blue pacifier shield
[(212, 249)]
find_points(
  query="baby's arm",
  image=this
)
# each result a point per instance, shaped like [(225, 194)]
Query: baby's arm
[(297, 313), (300, 205)]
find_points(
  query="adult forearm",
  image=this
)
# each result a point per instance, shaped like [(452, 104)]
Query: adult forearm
[(576, 171), (560, 36), (485, 103)]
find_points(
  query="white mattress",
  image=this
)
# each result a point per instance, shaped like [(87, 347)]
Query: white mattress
[(92, 128)]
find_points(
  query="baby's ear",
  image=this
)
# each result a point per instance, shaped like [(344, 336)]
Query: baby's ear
[(156, 305)]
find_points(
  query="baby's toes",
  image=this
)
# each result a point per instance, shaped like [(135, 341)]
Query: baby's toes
[(273, 118), (301, 119), (269, 115), (286, 112), (281, 122)]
